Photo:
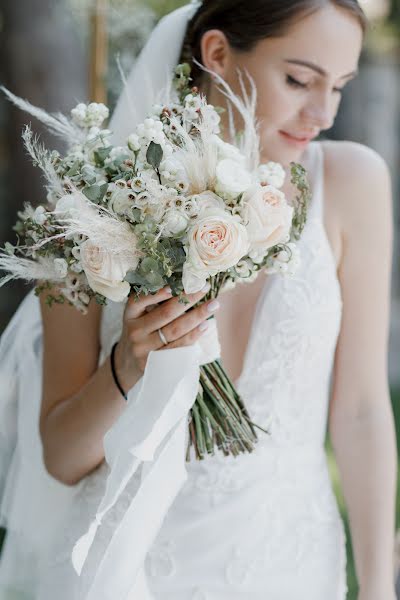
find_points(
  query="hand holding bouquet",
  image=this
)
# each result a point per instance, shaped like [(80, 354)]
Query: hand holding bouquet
[(175, 206)]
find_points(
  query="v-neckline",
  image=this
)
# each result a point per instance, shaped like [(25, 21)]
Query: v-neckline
[(258, 307), (312, 148)]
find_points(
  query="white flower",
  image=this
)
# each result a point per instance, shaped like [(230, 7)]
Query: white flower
[(208, 200), (216, 242), (212, 118), (169, 169), (232, 179), (39, 216), (105, 271), (287, 261), (96, 114), (271, 173), (91, 115), (69, 203), (84, 297), (243, 268), (134, 142), (116, 152), (268, 217), (61, 267), (121, 200), (228, 150), (174, 222), (79, 114)]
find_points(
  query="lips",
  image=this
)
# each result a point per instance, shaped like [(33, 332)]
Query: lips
[(298, 138)]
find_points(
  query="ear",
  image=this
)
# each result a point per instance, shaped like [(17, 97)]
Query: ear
[(216, 52)]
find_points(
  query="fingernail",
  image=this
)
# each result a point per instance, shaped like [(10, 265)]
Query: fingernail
[(214, 305), (206, 288), (204, 326), (168, 290)]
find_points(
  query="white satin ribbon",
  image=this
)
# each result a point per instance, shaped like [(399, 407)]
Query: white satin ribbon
[(153, 433)]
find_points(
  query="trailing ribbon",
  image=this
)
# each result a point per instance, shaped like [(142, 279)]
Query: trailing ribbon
[(152, 433)]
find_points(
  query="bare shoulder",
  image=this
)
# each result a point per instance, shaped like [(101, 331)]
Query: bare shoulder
[(357, 180)]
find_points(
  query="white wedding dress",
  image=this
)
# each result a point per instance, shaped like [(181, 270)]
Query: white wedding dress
[(262, 526)]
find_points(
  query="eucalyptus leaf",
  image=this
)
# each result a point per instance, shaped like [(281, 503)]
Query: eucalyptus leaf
[(95, 193), (101, 154), (154, 155)]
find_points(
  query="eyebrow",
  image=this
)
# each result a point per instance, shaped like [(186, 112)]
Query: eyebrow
[(317, 69)]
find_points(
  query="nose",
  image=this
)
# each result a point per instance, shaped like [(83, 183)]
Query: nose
[(320, 110)]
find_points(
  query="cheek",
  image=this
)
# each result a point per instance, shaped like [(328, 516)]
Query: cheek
[(277, 104)]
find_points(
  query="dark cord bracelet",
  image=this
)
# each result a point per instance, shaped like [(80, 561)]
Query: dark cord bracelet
[(117, 383)]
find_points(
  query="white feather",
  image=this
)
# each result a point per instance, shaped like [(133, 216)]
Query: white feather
[(30, 270), (58, 123), (249, 142)]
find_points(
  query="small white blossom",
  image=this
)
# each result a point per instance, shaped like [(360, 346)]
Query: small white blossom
[(39, 216), (271, 173), (134, 142), (174, 222), (61, 267)]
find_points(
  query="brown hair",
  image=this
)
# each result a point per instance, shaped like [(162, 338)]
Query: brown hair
[(246, 22)]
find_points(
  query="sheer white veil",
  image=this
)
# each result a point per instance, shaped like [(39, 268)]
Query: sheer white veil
[(151, 76), (32, 504)]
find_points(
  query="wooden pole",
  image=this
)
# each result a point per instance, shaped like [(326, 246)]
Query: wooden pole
[(98, 52)]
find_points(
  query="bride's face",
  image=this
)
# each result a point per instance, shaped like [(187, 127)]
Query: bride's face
[(299, 77)]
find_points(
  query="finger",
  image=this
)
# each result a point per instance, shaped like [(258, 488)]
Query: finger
[(137, 306), (186, 323), (188, 339), (167, 312)]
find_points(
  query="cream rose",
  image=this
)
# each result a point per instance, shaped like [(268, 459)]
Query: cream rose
[(105, 271), (216, 242), (268, 217)]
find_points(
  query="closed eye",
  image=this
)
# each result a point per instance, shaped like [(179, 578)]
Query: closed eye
[(298, 84), (295, 83)]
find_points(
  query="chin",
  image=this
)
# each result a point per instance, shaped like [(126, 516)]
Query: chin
[(278, 150)]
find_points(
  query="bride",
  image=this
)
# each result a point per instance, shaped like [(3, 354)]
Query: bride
[(306, 352)]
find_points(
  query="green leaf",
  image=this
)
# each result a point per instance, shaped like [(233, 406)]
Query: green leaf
[(9, 248), (135, 278), (154, 155), (73, 170), (101, 154), (95, 193)]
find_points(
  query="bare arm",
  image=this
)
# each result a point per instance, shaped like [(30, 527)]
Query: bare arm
[(80, 401), (361, 421)]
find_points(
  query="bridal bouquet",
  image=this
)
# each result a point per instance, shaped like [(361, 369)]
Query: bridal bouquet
[(175, 205)]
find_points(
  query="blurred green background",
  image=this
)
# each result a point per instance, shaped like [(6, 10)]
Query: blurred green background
[(59, 52)]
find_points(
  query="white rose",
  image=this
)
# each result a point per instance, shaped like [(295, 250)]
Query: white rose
[(61, 267), (105, 271), (228, 150), (271, 173), (268, 217), (206, 201), (216, 242), (174, 222), (232, 179)]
